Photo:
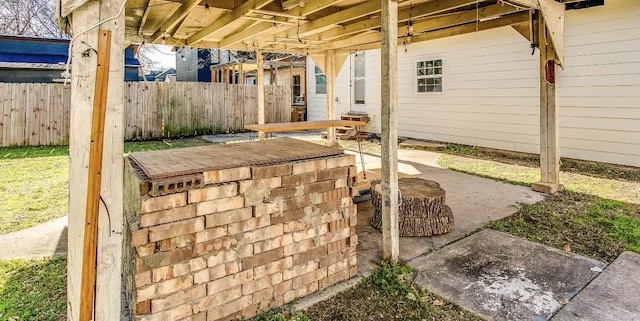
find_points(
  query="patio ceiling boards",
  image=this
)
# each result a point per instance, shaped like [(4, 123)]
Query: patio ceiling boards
[(319, 25)]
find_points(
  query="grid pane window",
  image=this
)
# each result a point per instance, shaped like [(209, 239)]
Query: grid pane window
[(429, 76)]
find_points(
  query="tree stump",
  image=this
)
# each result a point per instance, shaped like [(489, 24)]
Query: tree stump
[(423, 211)]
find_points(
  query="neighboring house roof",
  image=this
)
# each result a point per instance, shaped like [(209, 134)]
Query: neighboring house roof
[(165, 73), (159, 74), (33, 58), (34, 38), (42, 53), (131, 62)]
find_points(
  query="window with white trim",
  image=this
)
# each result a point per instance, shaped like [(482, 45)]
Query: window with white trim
[(321, 81), (429, 76)]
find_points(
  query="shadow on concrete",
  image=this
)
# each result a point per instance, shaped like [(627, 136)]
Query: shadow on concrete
[(61, 248), (475, 202)]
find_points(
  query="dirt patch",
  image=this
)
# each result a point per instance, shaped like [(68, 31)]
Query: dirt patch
[(383, 297)]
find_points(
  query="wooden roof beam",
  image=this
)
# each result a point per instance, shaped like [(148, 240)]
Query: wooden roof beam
[(434, 23), (404, 14), (355, 12), (226, 5), (254, 31), (312, 7), (175, 19), (145, 15), (227, 19), (268, 28), (463, 17), (506, 20)]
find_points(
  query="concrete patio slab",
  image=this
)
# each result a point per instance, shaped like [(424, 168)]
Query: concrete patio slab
[(412, 143), (503, 277), (43, 240), (475, 201), (613, 296)]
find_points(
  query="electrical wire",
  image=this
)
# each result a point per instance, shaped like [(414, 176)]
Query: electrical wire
[(477, 16), (67, 75)]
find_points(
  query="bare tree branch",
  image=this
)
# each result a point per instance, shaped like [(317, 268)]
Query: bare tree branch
[(29, 18)]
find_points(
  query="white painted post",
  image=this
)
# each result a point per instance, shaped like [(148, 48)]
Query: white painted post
[(110, 224), (549, 133), (389, 114), (329, 66), (260, 84)]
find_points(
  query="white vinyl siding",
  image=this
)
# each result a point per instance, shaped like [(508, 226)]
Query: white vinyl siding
[(492, 88)]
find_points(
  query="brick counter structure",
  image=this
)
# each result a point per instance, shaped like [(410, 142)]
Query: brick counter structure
[(228, 235)]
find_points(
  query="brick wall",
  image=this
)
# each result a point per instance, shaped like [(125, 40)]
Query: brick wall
[(247, 239)]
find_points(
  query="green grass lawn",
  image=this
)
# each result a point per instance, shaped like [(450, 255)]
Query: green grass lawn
[(33, 290), (32, 191), (621, 190), (575, 222), (34, 185)]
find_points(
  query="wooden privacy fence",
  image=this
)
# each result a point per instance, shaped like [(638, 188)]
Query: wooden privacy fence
[(196, 108), (34, 114), (38, 114)]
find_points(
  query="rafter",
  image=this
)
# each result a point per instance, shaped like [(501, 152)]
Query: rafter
[(423, 10), (355, 12), (312, 7), (268, 28), (254, 31), (176, 18), (227, 19), (226, 5), (433, 24), (145, 15), (507, 20)]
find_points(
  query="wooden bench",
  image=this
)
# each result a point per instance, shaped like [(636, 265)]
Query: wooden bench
[(303, 125)]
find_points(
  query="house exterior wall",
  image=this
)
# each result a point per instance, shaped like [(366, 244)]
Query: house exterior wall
[(491, 88), (284, 77), (187, 64), (29, 75)]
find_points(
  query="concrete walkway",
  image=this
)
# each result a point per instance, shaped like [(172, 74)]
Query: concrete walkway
[(612, 296), (44, 240), (502, 277), (475, 201)]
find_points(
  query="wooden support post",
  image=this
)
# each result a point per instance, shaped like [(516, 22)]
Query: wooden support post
[(243, 77), (260, 84), (235, 74), (389, 114), (108, 296), (329, 72), (240, 74), (275, 75), (291, 78), (549, 134)]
